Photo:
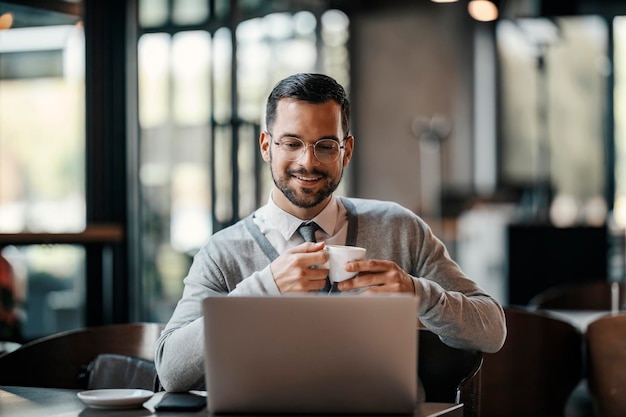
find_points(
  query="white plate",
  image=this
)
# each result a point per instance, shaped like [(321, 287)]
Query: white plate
[(115, 398)]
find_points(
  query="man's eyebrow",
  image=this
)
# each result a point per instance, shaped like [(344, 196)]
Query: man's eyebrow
[(294, 135), (290, 135)]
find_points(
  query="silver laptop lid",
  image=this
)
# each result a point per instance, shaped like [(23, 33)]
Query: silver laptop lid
[(311, 354)]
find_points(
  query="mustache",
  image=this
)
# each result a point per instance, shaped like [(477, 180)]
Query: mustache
[(304, 172)]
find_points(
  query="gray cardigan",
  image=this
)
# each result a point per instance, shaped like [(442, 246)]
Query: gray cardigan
[(236, 261)]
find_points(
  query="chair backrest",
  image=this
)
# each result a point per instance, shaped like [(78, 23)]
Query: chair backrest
[(606, 364), (536, 370), (449, 374), (590, 295), (109, 370), (61, 360)]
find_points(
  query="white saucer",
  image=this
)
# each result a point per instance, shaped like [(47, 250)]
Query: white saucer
[(115, 398)]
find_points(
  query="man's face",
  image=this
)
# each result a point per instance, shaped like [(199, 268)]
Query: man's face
[(305, 184)]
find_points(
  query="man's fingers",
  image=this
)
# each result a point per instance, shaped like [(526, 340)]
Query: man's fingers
[(307, 247), (369, 265)]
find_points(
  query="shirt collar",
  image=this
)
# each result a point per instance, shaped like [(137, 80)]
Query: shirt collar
[(287, 224)]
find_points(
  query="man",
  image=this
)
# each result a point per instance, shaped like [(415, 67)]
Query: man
[(307, 145)]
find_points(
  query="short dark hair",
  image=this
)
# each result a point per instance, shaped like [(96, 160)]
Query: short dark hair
[(312, 88)]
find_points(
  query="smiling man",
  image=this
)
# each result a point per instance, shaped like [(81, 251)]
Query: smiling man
[(307, 145)]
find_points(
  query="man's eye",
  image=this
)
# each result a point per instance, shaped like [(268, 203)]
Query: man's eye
[(326, 147), (292, 145)]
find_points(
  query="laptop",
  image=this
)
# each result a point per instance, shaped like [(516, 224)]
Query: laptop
[(311, 354)]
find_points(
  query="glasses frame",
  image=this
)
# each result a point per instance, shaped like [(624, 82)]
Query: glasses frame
[(305, 147)]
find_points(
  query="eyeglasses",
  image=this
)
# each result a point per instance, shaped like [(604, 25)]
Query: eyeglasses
[(325, 150)]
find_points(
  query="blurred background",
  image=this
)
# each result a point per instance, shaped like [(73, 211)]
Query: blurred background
[(129, 134)]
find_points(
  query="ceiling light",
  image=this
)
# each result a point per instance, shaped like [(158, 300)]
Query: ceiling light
[(482, 10), (6, 20)]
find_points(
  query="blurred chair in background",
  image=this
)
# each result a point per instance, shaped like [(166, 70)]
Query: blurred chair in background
[(109, 370), (449, 375), (537, 369), (606, 365), (71, 359), (590, 295)]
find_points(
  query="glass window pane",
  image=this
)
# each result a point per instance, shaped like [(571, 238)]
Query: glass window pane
[(190, 12), (222, 75), (154, 67), (223, 175), (553, 101), (191, 54), (175, 142), (254, 59), (153, 13), (620, 120), (222, 8), (42, 129), (191, 198), (246, 161), (49, 287), (336, 34)]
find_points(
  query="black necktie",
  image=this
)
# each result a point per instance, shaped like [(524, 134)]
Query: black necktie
[(307, 231)]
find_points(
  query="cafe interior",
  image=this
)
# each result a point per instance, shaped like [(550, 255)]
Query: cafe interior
[(129, 135)]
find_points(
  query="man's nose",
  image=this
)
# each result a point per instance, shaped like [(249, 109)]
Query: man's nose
[(308, 156)]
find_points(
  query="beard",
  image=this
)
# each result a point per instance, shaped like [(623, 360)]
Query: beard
[(304, 197)]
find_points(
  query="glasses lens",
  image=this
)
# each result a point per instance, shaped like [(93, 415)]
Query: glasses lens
[(292, 148), (326, 150)]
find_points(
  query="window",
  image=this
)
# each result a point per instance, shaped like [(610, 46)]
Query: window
[(619, 26), (200, 117), (42, 157), (553, 96)]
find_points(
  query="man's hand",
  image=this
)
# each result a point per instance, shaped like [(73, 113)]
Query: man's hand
[(379, 276), (298, 269)]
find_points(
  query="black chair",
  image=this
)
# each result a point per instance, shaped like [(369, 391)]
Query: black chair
[(70, 359), (537, 369), (110, 370), (448, 374), (606, 365), (588, 295)]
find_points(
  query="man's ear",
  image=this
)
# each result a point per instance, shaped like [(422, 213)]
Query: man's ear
[(265, 141), (348, 148)]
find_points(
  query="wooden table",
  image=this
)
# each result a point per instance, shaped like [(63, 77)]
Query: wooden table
[(56, 402)]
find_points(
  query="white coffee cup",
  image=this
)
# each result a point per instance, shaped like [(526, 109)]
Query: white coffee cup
[(338, 256)]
